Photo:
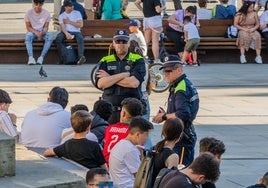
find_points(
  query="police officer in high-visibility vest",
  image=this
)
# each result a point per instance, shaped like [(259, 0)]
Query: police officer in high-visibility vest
[(183, 103), (120, 75)]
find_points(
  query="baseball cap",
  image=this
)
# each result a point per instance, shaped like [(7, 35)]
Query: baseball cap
[(121, 35), (67, 3), (134, 22), (171, 61)]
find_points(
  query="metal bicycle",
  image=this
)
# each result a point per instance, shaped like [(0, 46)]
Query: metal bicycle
[(158, 81)]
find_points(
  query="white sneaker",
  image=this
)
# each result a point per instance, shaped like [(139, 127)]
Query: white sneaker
[(157, 61), (31, 61), (40, 60), (243, 59), (258, 59)]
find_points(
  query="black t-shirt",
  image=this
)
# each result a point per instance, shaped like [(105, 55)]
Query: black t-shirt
[(175, 179), (149, 7), (160, 160), (209, 185), (82, 151)]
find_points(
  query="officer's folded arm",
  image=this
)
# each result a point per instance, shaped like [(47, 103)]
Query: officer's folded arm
[(108, 81), (130, 82)]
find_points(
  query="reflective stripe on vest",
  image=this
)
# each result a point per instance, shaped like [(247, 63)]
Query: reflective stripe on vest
[(111, 58), (181, 86)]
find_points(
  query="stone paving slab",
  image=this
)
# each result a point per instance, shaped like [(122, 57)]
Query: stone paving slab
[(33, 171), (233, 108)]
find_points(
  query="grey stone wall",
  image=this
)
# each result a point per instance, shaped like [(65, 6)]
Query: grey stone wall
[(7, 155)]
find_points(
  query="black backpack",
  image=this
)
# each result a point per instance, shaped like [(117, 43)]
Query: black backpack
[(134, 47), (163, 172)]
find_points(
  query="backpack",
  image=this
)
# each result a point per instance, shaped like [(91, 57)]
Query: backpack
[(223, 12), (232, 32), (163, 172), (145, 172), (134, 47), (68, 54)]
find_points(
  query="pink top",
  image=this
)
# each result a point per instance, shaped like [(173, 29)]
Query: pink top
[(179, 15), (37, 20)]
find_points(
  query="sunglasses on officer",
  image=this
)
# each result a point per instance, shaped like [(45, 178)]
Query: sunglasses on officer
[(121, 42)]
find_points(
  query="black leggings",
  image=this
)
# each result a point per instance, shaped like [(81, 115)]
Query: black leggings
[(177, 38)]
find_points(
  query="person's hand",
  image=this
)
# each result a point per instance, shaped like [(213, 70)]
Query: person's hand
[(66, 21), (158, 117), (102, 73), (251, 30), (69, 36), (39, 35), (13, 118)]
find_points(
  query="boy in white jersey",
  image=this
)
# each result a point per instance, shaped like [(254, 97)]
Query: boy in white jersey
[(192, 39)]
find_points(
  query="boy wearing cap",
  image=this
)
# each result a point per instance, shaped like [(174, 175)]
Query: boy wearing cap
[(71, 23), (37, 21), (7, 120), (183, 103), (137, 35), (120, 75)]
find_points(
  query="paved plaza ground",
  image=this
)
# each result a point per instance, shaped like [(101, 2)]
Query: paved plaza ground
[(233, 108), (233, 101)]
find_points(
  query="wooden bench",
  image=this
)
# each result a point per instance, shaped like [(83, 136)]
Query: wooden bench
[(212, 43)]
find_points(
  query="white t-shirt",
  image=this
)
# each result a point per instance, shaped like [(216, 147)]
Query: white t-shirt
[(6, 124), (204, 14), (123, 163), (192, 31), (73, 16), (69, 134), (37, 20), (264, 20)]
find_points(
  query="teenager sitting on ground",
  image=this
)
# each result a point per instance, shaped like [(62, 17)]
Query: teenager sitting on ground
[(204, 168), (68, 133), (125, 157), (80, 149), (263, 182), (214, 146), (7, 120), (95, 176), (102, 110), (43, 126), (131, 107), (166, 157)]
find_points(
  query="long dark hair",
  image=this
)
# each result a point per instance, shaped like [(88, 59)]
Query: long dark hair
[(245, 6), (265, 7), (171, 131)]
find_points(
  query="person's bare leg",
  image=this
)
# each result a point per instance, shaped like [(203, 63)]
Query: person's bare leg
[(194, 54), (155, 44)]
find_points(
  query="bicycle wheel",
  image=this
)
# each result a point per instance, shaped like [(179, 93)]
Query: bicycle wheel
[(158, 81), (92, 77)]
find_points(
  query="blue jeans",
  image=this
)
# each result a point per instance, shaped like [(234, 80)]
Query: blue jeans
[(29, 37), (61, 45)]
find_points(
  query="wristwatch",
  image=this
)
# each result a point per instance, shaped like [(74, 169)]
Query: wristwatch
[(164, 117)]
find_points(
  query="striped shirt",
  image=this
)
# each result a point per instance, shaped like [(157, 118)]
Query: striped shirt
[(6, 124)]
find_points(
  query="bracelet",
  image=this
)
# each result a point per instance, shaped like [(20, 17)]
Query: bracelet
[(164, 117)]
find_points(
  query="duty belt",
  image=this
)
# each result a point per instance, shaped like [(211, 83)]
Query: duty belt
[(116, 108)]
